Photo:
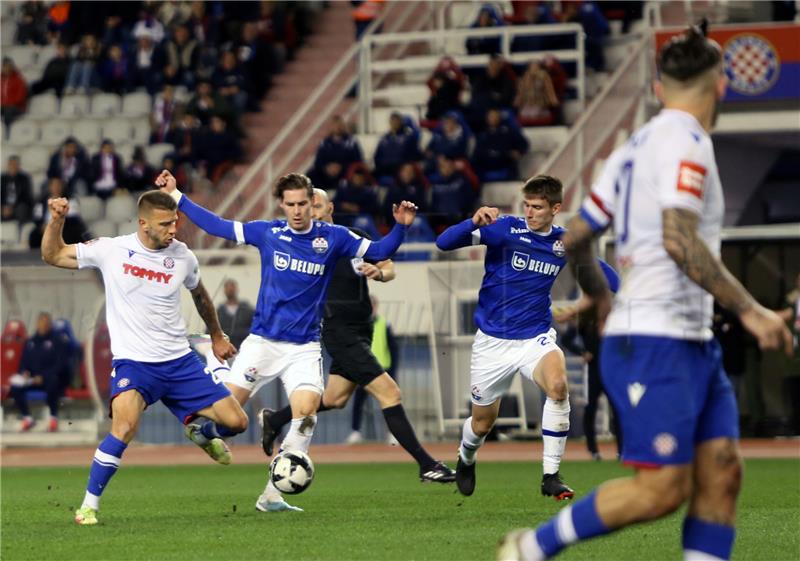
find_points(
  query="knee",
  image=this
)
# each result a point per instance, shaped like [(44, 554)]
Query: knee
[(123, 429), (666, 497), (239, 422), (558, 389), (337, 402), (482, 426), (390, 397)]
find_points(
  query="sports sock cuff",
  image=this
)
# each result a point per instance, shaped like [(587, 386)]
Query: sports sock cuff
[(708, 537), (209, 430), (112, 445), (585, 519), (394, 411)]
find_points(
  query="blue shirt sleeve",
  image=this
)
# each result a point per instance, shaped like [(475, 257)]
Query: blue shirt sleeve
[(611, 276), (385, 248), (253, 233), (207, 220)]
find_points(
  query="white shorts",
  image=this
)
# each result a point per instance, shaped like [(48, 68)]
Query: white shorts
[(261, 360), (495, 361)]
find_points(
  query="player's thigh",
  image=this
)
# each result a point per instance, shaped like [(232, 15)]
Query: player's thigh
[(228, 412), (493, 364), (350, 347), (303, 370), (259, 361), (304, 402), (338, 391), (385, 390), (542, 361), (193, 388), (651, 383)]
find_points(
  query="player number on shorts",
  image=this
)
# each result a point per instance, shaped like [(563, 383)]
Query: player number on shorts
[(543, 340), (623, 189)]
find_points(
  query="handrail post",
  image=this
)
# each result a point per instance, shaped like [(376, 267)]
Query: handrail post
[(581, 39)]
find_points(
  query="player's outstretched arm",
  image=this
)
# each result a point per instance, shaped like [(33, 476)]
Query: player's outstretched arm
[(220, 344), (404, 215), (579, 244), (54, 251), (382, 271), (460, 235), (203, 218), (684, 245)]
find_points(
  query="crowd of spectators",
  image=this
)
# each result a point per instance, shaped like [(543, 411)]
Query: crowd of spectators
[(220, 55)]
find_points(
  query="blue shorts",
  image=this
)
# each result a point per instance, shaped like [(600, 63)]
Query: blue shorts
[(184, 384), (669, 395)]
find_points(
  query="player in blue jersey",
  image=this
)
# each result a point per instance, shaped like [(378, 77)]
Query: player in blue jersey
[(523, 258), (298, 258), (660, 365)]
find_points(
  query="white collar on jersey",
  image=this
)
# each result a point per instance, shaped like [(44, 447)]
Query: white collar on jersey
[(306, 231)]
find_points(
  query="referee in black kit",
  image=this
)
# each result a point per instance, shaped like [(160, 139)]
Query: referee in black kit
[(347, 336)]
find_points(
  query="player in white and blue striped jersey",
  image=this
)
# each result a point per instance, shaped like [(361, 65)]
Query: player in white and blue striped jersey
[(298, 258), (524, 256)]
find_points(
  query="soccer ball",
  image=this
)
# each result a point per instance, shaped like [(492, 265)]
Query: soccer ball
[(292, 472), (508, 549)]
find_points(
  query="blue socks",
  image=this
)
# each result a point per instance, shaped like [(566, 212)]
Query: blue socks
[(575, 522), (106, 462), (212, 430), (714, 540)]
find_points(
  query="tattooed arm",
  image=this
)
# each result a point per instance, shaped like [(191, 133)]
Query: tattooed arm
[(579, 243), (691, 254), (222, 347)]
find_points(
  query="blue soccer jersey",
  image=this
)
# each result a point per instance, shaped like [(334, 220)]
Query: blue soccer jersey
[(296, 267), (520, 269)]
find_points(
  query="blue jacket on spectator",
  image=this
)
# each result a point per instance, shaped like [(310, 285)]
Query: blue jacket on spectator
[(451, 137), (343, 149), (452, 195), (47, 356), (397, 147), (489, 16)]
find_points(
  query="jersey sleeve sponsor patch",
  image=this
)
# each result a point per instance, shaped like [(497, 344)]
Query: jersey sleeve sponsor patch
[(691, 178)]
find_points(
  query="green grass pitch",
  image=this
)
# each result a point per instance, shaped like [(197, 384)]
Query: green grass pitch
[(353, 512)]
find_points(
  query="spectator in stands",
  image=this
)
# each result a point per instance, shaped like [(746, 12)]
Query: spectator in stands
[(82, 75), (364, 13), (356, 196), (446, 84), (71, 165), (184, 138), (113, 71), (106, 172), (42, 368), (147, 63), (218, 148), (148, 25), (329, 178), (162, 115), (170, 163), (235, 316), (536, 100), (495, 88), (409, 185), (255, 56), (595, 27), (74, 229), (398, 146), (13, 92), (534, 13), (206, 102), (452, 195), (58, 20), (182, 53), (55, 73), (229, 81), (489, 16), (139, 175), (339, 146), (32, 24), (204, 27), (499, 148), (450, 138), (16, 193)]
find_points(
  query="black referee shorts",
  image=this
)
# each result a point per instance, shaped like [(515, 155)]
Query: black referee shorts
[(350, 347)]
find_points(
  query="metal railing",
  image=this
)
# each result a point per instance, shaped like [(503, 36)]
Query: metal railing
[(340, 80), (593, 134), (435, 45)]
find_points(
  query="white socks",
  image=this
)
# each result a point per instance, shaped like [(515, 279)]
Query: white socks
[(298, 438), (470, 442), (555, 426)]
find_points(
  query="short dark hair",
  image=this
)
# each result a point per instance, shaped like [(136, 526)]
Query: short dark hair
[(156, 198), (688, 55), (292, 181), (544, 187)]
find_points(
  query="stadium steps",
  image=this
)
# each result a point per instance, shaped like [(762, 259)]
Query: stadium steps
[(74, 432)]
